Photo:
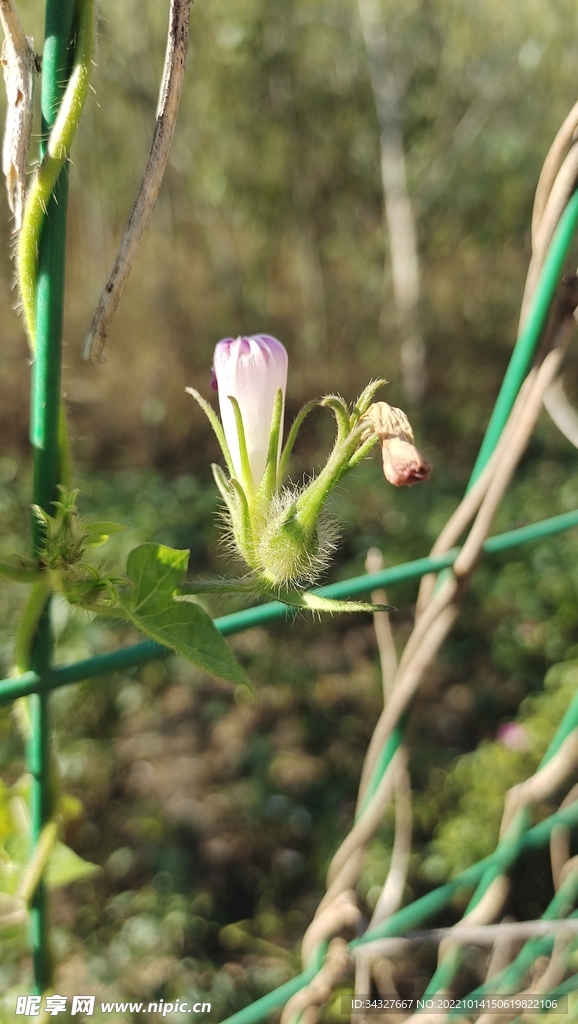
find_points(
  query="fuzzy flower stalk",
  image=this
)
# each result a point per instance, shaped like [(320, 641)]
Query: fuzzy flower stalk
[(280, 529)]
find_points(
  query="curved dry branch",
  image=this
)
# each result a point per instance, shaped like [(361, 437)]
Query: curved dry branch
[(20, 70), (561, 411), (168, 107)]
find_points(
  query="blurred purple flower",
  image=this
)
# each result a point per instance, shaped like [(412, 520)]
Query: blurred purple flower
[(514, 736)]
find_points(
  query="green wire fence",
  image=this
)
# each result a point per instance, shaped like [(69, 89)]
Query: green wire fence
[(43, 676)]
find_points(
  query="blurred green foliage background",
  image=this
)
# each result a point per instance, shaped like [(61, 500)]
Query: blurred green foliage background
[(213, 821)]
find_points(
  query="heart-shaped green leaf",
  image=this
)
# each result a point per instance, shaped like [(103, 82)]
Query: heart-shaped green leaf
[(155, 572), (65, 866)]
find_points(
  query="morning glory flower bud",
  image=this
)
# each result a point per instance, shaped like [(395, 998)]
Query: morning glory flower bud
[(250, 370), (277, 527)]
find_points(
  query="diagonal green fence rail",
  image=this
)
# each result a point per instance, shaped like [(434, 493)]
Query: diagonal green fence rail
[(42, 676)]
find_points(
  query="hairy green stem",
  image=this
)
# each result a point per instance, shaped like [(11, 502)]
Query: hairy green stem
[(310, 503), (27, 630), (341, 413), (29, 623), (362, 452), (39, 859), (65, 468), (58, 146), (20, 574)]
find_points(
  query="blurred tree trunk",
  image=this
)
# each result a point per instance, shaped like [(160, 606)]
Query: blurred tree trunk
[(310, 273), (309, 276), (387, 85)]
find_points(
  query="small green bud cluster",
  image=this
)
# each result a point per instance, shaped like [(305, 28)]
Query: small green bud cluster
[(66, 535)]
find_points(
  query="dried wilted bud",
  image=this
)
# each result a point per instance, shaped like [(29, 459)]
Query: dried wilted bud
[(402, 463)]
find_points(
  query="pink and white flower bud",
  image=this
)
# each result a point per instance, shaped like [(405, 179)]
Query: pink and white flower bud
[(251, 370)]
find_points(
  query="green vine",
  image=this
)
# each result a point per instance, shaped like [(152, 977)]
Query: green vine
[(57, 150)]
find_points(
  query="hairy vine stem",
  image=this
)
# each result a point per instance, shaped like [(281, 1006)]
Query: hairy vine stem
[(57, 150), (45, 178)]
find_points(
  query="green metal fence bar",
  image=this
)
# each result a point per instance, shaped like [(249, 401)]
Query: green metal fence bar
[(505, 852), (263, 1006), (418, 912), (511, 977), (412, 915), (44, 433), (517, 369), (148, 650), (530, 333)]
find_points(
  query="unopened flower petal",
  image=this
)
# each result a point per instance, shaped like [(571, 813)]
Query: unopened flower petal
[(251, 370)]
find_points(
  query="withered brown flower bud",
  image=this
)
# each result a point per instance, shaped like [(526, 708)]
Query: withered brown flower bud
[(403, 465)]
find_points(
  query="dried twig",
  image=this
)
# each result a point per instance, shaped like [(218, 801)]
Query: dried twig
[(337, 964), (408, 683), (19, 70), (471, 502), (544, 781), (552, 164), (561, 411), (366, 824), (392, 893), (502, 952), (382, 626), (437, 610), (342, 913), (559, 852), (168, 106), (475, 935)]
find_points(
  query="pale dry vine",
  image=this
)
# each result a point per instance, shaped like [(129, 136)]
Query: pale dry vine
[(168, 106), (437, 609)]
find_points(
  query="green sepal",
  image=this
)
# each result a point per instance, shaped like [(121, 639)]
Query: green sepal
[(216, 425), (295, 428), (241, 520), (248, 482), (362, 451), (317, 603), (226, 490), (155, 571), (269, 481), (365, 399)]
